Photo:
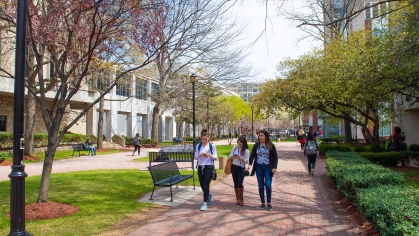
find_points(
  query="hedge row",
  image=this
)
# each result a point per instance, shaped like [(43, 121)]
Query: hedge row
[(129, 141), (40, 140), (391, 158), (325, 147), (378, 192)]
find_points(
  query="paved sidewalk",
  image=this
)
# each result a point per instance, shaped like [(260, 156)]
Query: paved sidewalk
[(300, 206)]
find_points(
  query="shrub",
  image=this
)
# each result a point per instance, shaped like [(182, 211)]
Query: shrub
[(360, 149), (148, 141), (393, 209), (414, 147), (382, 158), (377, 148), (324, 147)]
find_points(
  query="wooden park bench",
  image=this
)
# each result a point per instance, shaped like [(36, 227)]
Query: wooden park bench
[(167, 174), (78, 148)]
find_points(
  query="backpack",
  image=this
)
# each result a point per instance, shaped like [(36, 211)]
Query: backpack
[(311, 148), (136, 141), (210, 147)]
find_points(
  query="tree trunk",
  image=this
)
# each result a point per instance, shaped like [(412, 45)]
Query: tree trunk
[(30, 119), (155, 122), (100, 123), (348, 131), (47, 167)]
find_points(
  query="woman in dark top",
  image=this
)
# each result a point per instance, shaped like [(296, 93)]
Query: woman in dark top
[(264, 160), (398, 137)]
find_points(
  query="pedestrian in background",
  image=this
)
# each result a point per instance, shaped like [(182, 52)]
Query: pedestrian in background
[(89, 145), (265, 161), (137, 143), (240, 157), (311, 150)]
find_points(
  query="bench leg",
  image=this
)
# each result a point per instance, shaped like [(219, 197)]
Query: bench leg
[(171, 196), (151, 198)]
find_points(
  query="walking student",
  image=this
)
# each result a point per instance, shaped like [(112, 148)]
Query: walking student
[(137, 143), (311, 151), (205, 154), (264, 160), (240, 157)]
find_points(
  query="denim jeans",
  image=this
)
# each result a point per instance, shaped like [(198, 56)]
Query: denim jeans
[(92, 150), (311, 162), (264, 176), (204, 175), (237, 173)]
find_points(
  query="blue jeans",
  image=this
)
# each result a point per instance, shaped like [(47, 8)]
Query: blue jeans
[(92, 150), (264, 176)]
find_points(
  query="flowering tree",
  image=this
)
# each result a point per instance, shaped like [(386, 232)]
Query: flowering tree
[(70, 36)]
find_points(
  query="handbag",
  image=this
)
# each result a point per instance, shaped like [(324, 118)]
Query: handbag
[(245, 172), (227, 168), (214, 175), (403, 145)]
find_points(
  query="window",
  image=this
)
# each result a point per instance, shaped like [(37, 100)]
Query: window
[(123, 88), (153, 91), (3, 123), (141, 90), (375, 11)]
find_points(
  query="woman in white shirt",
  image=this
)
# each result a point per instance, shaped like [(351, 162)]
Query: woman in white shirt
[(240, 157), (205, 153)]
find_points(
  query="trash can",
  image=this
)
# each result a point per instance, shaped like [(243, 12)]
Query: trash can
[(222, 162)]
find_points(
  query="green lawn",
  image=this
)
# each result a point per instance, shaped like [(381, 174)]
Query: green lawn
[(104, 197)]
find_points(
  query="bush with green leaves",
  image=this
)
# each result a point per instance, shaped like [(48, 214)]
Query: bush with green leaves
[(393, 209), (324, 147), (377, 148), (360, 149), (350, 172), (40, 140), (148, 141), (414, 147), (382, 158)]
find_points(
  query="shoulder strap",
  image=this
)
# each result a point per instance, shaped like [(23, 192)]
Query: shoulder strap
[(199, 146), (210, 147)]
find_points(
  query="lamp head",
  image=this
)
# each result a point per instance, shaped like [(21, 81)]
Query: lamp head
[(193, 78)]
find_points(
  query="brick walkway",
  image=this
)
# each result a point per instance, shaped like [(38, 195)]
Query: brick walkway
[(300, 206)]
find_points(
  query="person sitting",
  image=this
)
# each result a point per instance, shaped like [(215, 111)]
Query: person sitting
[(89, 145)]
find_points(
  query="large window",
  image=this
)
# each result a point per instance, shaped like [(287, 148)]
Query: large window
[(123, 88), (153, 91), (141, 89), (3, 123), (375, 11)]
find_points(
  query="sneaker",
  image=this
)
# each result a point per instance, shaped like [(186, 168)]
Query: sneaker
[(269, 207), (262, 207), (204, 207), (209, 199), (312, 172)]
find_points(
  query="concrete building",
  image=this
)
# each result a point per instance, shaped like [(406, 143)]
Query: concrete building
[(245, 90)]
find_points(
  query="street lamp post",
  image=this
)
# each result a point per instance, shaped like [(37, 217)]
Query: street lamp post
[(18, 174), (253, 138), (193, 80)]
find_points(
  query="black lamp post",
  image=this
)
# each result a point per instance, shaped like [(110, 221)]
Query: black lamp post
[(18, 174), (193, 80), (253, 137)]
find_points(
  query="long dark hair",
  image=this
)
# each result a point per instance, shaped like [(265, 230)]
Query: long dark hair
[(243, 140), (397, 130), (267, 140)]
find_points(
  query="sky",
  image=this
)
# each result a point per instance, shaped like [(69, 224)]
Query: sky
[(279, 41)]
